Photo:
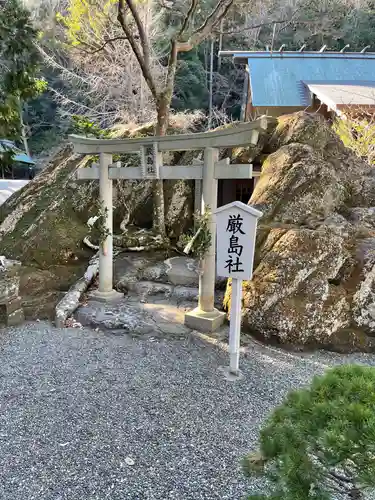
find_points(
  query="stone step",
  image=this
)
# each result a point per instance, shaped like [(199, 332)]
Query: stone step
[(159, 317), (176, 271), (124, 317), (148, 290)]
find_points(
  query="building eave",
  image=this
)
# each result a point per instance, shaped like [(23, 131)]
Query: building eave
[(241, 56)]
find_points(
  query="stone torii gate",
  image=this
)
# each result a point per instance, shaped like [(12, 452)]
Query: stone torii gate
[(205, 317)]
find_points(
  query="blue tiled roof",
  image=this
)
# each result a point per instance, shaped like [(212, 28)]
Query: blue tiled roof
[(20, 156), (278, 79), (23, 158)]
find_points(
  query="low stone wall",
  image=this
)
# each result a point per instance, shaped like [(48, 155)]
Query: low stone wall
[(11, 312)]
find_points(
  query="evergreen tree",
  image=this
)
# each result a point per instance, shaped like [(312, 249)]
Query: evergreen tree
[(19, 61), (320, 444)]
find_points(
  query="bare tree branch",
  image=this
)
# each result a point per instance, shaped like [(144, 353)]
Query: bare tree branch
[(172, 65), (255, 26), (188, 17), (207, 27), (104, 87), (173, 54), (143, 59), (109, 40), (141, 30)]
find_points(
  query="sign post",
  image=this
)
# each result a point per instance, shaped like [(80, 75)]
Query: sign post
[(236, 225)]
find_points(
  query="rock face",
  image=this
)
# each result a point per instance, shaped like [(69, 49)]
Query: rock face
[(11, 312), (314, 272), (46, 221)]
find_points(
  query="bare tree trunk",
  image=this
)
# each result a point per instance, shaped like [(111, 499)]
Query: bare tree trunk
[(163, 107), (140, 44), (23, 131), (220, 44), (159, 215), (211, 82)]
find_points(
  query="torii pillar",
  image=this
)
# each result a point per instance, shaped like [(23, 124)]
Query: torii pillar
[(205, 317), (106, 291)]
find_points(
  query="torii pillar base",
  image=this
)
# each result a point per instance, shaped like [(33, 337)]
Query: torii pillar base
[(204, 321), (111, 296)]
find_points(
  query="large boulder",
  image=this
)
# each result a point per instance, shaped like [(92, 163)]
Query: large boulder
[(44, 224), (314, 270)]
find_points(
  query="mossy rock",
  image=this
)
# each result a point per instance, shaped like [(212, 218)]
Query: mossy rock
[(44, 223), (314, 271), (41, 289), (305, 128)]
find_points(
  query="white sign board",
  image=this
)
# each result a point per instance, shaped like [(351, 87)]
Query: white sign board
[(236, 225)]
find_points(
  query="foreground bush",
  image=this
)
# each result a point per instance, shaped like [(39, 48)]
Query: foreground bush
[(320, 443), (358, 134)]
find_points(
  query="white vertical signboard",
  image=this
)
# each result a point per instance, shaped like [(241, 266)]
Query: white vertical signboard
[(236, 225)]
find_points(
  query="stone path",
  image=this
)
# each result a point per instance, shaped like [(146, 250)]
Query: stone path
[(157, 315), (92, 415), (157, 293)]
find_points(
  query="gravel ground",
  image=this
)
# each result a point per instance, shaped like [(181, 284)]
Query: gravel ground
[(86, 415)]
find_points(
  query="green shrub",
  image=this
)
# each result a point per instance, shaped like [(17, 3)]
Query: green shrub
[(83, 126), (320, 443), (358, 135), (197, 242)]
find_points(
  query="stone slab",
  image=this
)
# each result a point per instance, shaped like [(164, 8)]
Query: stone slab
[(15, 318), (112, 296), (117, 316), (150, 291), (203, 321), (9, 287), (173, 329), (13, 305), (160, 317), (132, 267), (146, 288), (182, 271), (178, 271), (157, 272), (186, 293)]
